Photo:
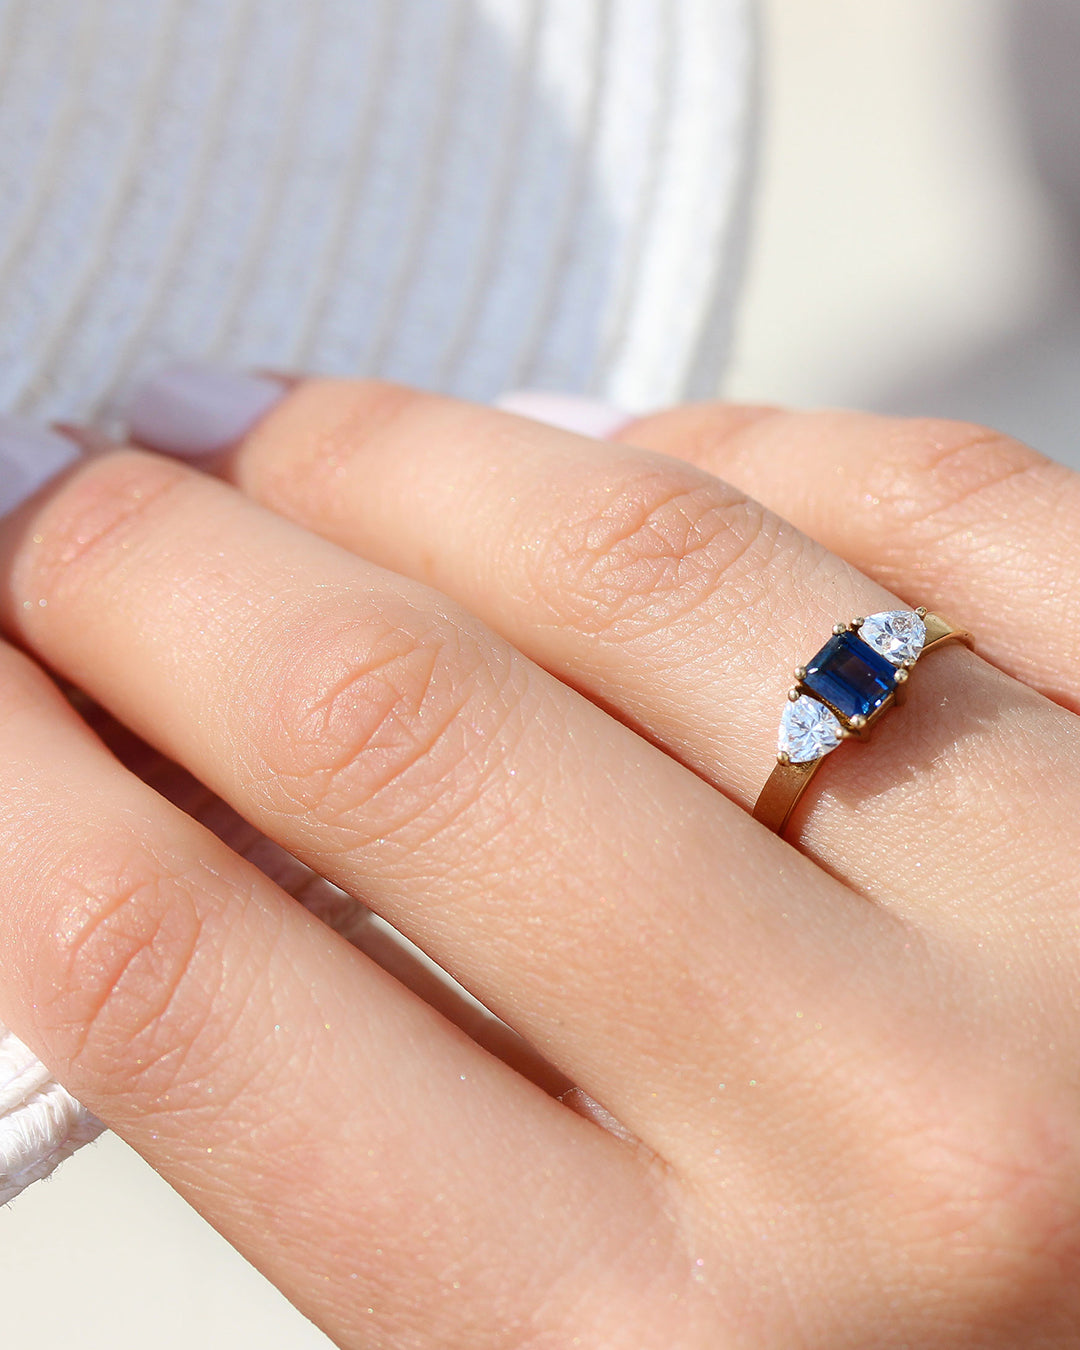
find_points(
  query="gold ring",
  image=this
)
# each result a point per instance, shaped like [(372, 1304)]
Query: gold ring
[(859, 674)]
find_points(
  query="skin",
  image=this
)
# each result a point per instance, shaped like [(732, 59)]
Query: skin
[(516, 691)]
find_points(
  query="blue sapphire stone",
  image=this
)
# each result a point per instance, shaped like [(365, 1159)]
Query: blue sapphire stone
[(850, 676)]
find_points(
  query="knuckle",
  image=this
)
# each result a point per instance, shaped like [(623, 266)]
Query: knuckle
[(102, 510), (937, 474), (122, 978), (323, 423), (638, 552), (991, 1202), (383, 719)]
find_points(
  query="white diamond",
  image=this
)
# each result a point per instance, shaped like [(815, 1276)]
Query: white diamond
[(898, 635), (808, 730)]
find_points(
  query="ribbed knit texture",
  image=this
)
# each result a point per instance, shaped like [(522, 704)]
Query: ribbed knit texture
[(468, 195), (40, 1122)]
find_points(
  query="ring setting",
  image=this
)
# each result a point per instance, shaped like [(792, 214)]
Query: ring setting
[(842, 692)]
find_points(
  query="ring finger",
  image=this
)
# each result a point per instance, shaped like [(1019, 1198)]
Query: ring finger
[(985, 522)]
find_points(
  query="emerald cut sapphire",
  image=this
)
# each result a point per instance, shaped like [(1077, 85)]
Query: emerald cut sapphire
[(850, 676)]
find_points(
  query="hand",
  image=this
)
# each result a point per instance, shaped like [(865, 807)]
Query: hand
[(837, 1076)]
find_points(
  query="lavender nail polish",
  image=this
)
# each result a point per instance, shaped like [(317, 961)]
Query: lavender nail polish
[(192, 410), (569, 412), (29, 456)]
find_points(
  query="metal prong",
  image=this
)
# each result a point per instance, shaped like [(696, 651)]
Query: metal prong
[(846, 735), (900, 677), (921, 611), (908, 662), (800, 672), (839, 628), (858, 721), (782, 757), (857, 623), (793, 694)]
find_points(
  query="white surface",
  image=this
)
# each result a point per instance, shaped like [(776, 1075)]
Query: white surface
[(105, 1256), (902, 240)]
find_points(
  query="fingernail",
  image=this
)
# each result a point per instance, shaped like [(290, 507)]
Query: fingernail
[(193, 410), (586, 416), (29, 456)]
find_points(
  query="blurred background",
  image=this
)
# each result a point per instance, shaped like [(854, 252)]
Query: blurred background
[(915, 247), (916, 243)]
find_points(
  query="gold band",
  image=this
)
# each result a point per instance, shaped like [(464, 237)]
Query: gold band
[(788, 781)]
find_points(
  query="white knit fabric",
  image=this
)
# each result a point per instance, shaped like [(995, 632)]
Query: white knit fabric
[(469, 195), (40, 1122)]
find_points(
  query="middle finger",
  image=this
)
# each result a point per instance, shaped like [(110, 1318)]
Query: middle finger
[(684, 605)]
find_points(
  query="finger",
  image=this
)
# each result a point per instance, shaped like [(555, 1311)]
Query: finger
[(357, 1149), (683, 605), (355, 922), (983, 523), (520, 836)]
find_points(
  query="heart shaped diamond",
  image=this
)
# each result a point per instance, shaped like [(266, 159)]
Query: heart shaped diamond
[(808, 730), (897, 635)]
